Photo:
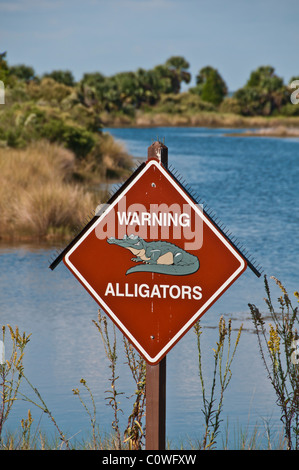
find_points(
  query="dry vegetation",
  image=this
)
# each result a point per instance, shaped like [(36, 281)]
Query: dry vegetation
[(277, 125), (45, 192)]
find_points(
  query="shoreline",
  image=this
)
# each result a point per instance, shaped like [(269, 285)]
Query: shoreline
[(280, 131), (279, 126), (255, 127)]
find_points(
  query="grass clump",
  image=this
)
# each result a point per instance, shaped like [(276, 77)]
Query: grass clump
[(38, 196)]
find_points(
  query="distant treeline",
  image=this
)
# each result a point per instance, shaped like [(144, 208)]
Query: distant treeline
[(57, 108), (264, 94)]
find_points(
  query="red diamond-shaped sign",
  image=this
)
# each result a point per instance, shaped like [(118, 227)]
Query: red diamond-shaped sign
[(154, 261)]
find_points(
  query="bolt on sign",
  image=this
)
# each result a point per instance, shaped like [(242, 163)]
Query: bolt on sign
[(153, 260)]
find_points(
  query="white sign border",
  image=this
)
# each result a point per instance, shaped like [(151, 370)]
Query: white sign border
[(197, 315)]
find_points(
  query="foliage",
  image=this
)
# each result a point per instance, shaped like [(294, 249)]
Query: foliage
[(125, 95), (222, 369), (28, 121), (4, 69), (134, 433), (47, 91), (110, 350), (178, 72), (11, 376), (91, 413), (263, 94), (22, 72), (277, 345), (56, 109), (75, 138), (230, 105), (11, 373), (127, 91), (210, 86), (62, 76), (182, 103)]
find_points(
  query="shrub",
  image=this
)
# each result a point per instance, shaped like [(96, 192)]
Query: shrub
[(75, 138), (48, 90)]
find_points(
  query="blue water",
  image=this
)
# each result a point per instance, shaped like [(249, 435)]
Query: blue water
[(252, 186)]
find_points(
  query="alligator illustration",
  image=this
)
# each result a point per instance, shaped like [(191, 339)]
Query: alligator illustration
[(157, 256)]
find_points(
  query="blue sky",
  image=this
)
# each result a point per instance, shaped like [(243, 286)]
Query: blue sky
[(110, 36)]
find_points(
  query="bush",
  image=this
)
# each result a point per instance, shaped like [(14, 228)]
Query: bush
[(182, 103), (77, 139), (290, 110), (230, 105), (49, 91), (64, 77)]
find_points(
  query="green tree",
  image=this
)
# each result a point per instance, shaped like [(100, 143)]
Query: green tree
[(94, 81), (147, 91), (94, 88), (23, 72), (4, 70), (124, 91), (127, 91), (170, 75), (210, 85), (263, 94), (62, 76), (178, 66), (164, 79)]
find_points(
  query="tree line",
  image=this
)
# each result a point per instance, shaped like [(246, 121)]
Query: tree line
[(264, 93)]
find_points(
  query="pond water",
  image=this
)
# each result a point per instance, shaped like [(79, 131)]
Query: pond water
[(252, 185)]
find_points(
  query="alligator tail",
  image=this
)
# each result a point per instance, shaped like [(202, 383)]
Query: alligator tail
[(172, 270)]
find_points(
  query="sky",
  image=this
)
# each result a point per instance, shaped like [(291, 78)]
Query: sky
[(111, 36)]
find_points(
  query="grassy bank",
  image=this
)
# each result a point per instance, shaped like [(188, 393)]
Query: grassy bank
[(278, 125), (278, 131), (46, 193)]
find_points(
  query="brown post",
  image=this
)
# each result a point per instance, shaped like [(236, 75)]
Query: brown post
[(156, 374), (159, 151), (155, 405)]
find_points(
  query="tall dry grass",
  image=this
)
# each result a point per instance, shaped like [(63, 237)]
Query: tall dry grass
[(38, 197)]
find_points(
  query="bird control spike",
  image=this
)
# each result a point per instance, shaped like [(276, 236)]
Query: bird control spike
[(222, 228), (81, 231)]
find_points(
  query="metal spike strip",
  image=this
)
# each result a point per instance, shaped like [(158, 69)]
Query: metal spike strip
[(191, 193), (251, 262), (64, 251), (212, 216), (78, 231)]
